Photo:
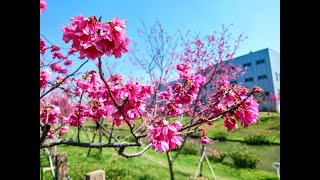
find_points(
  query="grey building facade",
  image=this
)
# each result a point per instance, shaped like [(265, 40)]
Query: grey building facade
[(263, 70)]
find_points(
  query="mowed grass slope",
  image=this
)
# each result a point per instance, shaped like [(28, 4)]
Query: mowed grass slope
[(151, 166), (268, 125)]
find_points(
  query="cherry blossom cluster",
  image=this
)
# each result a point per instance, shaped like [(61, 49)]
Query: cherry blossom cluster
[(44, 77), (246, 113), (43, 6), (182, 94), (93, 39), (49, 114), (131, 98), (164, 136)]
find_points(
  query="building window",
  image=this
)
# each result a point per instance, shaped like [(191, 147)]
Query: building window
[(277, 77), (248, 79), (247, 65), (262, 77), (260, 61), (266, 93)]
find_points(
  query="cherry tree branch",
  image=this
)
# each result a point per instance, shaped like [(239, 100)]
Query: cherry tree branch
[(122, 153), (71, 142), (216, 116), (58, 84), (45, 129)]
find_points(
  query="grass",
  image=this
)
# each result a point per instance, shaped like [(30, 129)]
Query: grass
[(151, 165), (266, 125)]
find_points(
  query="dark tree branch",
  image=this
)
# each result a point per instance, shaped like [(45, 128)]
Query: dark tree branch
[(71, 142), (107, 85), (170, 165), (45, 129), (216, 116), (122, 153)]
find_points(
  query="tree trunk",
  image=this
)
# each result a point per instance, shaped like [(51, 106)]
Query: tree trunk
[(96, 175), (100, 140), (170, 165), (94, 136), (62, 166)]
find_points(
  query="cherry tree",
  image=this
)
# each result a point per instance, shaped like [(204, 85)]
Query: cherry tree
[(209, 55), (69, 99)]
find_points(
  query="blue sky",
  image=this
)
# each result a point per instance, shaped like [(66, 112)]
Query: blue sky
[(258, 20)]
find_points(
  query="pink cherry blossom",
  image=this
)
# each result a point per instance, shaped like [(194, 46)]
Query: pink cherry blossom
[(43, 6), (49, 114), (93, 39), (62, 100), (115, 40), (72, 51), (204, 139), (42, 47), (63, 130), (257, 89), (60, 79), (230, 123), (166, 94), (198, 42), (96, 110), (52, 135), (44, 77), (173, 109), (164, 136), (247, 113), (55, 48), (58, 55), (74, 119), (57, 68), (176, 124), (68, 62)]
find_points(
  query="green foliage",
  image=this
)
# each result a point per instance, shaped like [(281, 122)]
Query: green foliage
[(244, 157), (259, 139), (190, 149), (151, 165), (213, 158), (266, 125), (221, 136)]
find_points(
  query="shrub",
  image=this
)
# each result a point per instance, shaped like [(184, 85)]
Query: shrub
[(221, 136), (190, 149), (244, 157), (214, 158), (259, 139), (214, 155), (265, 118)]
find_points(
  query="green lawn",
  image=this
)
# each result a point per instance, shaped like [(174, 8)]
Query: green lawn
[(266, 125), (150, 165), (153, 165)]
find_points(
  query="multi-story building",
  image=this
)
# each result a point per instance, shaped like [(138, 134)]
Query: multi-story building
[(263, 70)]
